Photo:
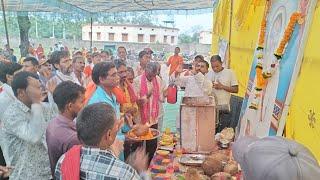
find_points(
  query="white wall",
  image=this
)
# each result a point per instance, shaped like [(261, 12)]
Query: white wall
[(205, 37), (132, 32)]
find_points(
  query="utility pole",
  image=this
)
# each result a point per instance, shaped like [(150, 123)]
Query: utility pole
[(5, 23)]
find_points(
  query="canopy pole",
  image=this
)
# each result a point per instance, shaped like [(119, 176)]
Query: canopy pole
[(230, 32), (5, 23), (91, 33)]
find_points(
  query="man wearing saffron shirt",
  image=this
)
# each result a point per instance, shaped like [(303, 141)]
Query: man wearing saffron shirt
[(174, 61), (61, 132)]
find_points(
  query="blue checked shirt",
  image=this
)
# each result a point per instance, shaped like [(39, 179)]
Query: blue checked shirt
[(97, 164)]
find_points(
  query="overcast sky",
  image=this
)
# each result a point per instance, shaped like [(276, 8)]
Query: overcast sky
[(185, 22)]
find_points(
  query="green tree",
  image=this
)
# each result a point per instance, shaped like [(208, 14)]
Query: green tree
[(142, 19), (185, 39)]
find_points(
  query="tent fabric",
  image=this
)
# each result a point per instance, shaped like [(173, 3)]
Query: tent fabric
[(106, 6), (303, 121)]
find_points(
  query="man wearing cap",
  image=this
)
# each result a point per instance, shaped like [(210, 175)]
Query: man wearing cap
[(174, 61), (45, 71), (148, 50), (274, 158)]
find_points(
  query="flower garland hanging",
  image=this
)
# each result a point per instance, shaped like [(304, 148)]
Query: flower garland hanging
[(260, 81), (295, 18), (263, 74)]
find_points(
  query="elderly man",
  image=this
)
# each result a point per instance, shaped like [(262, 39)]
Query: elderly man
[(78, 64), (150, 91), (97, 127), (24, 124), (128, 105), (144, 59)]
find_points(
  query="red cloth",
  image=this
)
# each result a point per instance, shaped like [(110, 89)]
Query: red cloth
[(87, 71), (91, 88), (120, 95), (39, 51), (145, 110), (133, 97), (70, 167)]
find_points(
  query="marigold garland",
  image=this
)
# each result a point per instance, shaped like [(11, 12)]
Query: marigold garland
[(263, 74), (288, 33), (260, 81), (295, 18)]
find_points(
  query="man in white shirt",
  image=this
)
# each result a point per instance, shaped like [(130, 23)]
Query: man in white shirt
[(196, 83), (6, 98), (224, 81), (24, 124)]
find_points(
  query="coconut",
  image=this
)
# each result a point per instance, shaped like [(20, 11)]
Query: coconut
[(231, 168), (214, 163), (220, 156), (211, 166), (221, 176), (192, 174)]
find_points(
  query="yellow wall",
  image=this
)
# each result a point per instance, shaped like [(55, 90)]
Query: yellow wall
[(243, 43), (306, 95)]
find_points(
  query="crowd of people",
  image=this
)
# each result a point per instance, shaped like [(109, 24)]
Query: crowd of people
[(82, 103), (66, 116)]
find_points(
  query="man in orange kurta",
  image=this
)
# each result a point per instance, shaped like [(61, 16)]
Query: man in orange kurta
[(174, 61)]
